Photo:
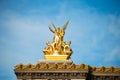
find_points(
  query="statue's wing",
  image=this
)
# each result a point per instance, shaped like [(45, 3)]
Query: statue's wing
[(51, 29), (65, 25)]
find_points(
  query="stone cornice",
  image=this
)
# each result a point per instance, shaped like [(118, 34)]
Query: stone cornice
[(65, 67), (51, 67)]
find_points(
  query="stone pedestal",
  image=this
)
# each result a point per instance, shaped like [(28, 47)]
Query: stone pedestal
[(55, 61)]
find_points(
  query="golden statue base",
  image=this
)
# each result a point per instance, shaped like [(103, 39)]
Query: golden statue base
[(56, 57)]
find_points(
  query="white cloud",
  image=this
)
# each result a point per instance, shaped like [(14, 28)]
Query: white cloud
[(115, 25), (113, 55)]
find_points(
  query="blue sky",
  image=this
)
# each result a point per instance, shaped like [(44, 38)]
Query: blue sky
[(94, 30)]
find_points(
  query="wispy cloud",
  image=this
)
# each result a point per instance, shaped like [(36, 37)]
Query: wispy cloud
[(115, 25), (114, 55)]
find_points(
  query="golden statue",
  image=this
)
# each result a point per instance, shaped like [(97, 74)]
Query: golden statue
[(58, 46)]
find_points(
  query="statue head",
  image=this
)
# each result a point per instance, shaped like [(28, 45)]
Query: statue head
[(58, 28), (59, 31)]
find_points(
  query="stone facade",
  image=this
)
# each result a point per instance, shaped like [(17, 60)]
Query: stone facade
[(64, 70)]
